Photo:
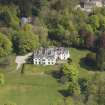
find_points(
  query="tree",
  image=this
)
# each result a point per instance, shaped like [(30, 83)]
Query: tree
[(96, 90), (89, 40), (8, 15), (70, 71), (25, 7), (100, 58), (94, 22), (5, 45), (102, 22), (69, 101), (70, 35), (24, 42), (73, 88), (57, 33), (101, 42), (41, 30)]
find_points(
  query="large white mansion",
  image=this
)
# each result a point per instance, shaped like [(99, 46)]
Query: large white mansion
[(88, 5), (49, 56)]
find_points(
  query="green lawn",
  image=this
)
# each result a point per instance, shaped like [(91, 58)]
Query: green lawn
[(84, 71), (34, 89), (76, 56), (30, 90), (37, 69)]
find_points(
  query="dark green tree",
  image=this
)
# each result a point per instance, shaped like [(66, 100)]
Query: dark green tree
[(24, 42), (100, 58), (5, 45), (96, 90), (71, 72), (8, 16)]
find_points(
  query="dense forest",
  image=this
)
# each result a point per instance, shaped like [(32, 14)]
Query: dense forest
[(53, 23), (58, 23)]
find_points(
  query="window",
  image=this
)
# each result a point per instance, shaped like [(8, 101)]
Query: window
[(43, 60)]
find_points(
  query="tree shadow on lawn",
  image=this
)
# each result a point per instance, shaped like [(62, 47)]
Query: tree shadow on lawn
[(56, 74), (64, 93), (88, 64)]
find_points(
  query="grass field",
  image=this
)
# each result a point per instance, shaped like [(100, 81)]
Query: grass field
[(37, 89), (36, 69), (30, 90), (84, 71), (76, 56)]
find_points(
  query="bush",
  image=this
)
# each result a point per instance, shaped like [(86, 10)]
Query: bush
[(83, 82)]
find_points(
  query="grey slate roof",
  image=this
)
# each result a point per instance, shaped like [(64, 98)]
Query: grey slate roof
[(49, 53)]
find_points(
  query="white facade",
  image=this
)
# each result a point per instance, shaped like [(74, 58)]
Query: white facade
[(49, 56), (88, 5), (98, 4), (44, 61)]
